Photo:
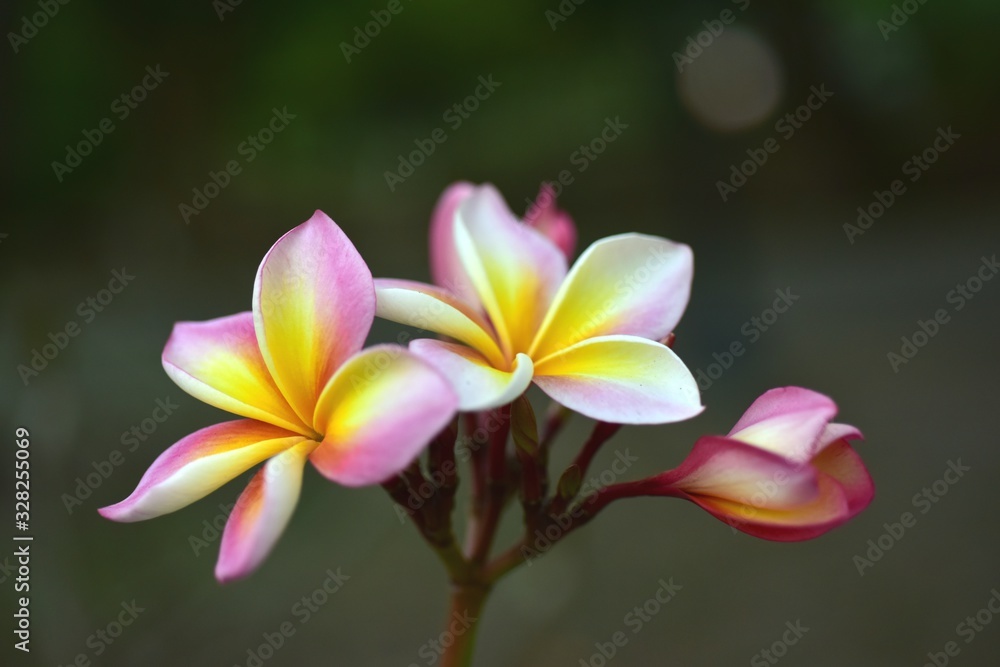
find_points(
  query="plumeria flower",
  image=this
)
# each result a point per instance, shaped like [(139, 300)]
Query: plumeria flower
[(589, 336), (295, 370), (783, 473)]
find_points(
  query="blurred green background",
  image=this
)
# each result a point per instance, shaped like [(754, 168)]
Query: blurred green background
[(560, 81)]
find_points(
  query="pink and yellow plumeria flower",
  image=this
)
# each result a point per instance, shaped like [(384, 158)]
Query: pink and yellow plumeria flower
[(294, 368), (589, 335), (783, 473)]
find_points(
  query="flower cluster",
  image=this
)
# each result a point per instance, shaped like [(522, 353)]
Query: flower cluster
[(512, 309)]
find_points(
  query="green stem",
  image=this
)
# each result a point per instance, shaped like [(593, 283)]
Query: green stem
[(487, 515), (506, 562), (602, 433), (472, 573), (434, 528), (578, 516), (462, 624)]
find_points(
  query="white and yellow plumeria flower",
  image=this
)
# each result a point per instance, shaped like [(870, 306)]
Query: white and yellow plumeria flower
[(589, 335), (294, 368)]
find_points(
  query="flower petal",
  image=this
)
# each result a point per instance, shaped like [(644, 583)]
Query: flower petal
[(199, 464), (380, 410), (262, 513), (731, 470), (514, 268), (218, 362), (313, 304), (555, 223), (480, 385), (834, 432), (827, 510), (446, 267), (621, 379), (434, 309), (629, 284), (842, 463), (787, 421)]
